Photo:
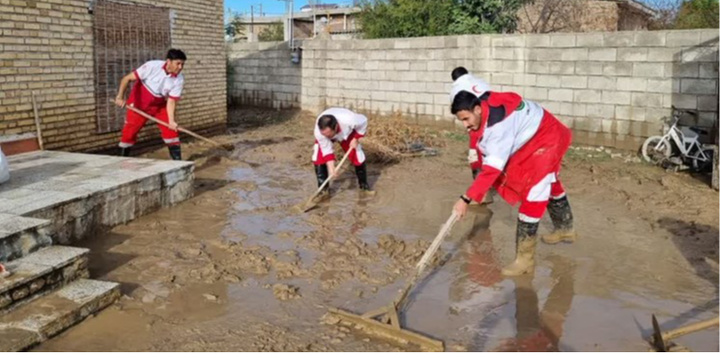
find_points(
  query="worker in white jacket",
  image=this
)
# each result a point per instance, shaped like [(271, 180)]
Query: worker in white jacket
[(344, 126)]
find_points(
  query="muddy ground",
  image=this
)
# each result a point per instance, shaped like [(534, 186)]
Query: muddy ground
[(236, 269)]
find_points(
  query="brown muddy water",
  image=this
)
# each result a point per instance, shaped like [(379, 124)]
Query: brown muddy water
[(235, 268)]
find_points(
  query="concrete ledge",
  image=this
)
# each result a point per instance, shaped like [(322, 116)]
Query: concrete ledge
[(40, 272), (81, 194), (50, 315)]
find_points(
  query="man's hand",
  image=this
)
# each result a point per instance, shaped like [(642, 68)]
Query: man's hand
[(460, 208), (353, 144), (173, 125), (120, 102)]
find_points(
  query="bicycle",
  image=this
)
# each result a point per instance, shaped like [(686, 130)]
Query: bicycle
[(679, 145)]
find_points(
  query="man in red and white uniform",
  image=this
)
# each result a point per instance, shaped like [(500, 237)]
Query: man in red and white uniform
[(158, 86), (522, 147), (344, 126), (462, 78)]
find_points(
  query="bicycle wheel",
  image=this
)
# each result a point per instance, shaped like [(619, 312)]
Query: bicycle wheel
[(705, 166), (654, 153)]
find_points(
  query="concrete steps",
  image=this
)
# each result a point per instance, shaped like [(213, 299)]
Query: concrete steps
[(41, 272), (47, 316), (21, 235)]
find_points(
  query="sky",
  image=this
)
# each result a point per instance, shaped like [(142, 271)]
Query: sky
[(269, 7)]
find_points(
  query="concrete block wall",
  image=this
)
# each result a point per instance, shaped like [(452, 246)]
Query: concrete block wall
[(612, 88), (261, 74), (46, 46)]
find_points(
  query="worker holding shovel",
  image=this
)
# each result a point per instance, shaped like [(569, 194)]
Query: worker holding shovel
[(522, 146), (158, 86), (344, 126)]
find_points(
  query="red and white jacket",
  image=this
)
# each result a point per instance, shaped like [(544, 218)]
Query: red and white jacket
[(516, 152), (154, 86), (351, 125)]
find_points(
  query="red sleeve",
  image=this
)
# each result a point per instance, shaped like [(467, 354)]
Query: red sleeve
[(482, 183), (509, 100)]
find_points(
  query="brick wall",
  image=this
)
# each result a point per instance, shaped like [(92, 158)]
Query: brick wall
[(261, 74), (47, 47), (612, 89)]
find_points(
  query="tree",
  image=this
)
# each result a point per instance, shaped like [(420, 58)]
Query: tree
[(234, 27), (416, 18), (544, 16), (698, 14), (274, 32)]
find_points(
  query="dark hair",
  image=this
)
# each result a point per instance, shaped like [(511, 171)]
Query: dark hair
[(175, 54), (327, 121), (464, 101), (458, 72)]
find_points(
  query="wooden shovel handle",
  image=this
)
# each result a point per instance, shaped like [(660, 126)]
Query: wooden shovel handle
[(180, 129)]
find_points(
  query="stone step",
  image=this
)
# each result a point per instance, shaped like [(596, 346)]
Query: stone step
[(21, 235), (39, 273), (46, 317)]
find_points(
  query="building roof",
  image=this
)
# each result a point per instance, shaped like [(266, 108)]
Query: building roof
[(319, 7), (636, 5)]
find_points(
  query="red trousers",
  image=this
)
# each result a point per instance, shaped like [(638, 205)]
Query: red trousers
[(134, 123)]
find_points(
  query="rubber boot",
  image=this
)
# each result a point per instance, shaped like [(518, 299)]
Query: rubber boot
[(175, 152), (526, 240), (361, 172), (321, 172), (562, 218), (125, 152), (488, 198)]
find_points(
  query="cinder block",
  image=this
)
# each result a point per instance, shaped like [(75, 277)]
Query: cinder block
[(648, 69), (574, 82), (521, 79), (616, 97), (686, 101), (682, 70), (538, 67), (589, 40), (600, 110), (635, 84), (513, 66), (700, 54), (562, 68), (535, 93), (682, 38), (650, 38), (574, 54), (537, 40), (603, 83), (602, 54), (619, 39), (661, 54), (551, 81), (630, 113), (660, 85), (647, 100), (618, 69), (560, 95), (632, 54), (708, 70), (562, 40), (588, 68), (657, 115), (707, 103), (698, 86), (587, 96), (502, 79)]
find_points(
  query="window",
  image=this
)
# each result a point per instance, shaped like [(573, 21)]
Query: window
[(126, 35)]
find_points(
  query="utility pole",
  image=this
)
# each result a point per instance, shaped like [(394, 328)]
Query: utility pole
[(289, 24), (252, 20)]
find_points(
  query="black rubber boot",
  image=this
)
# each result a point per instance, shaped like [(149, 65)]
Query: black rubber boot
[(124, 152), (562, 219), (321, 172), (361, 172), (526, 240), (175, 152)]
